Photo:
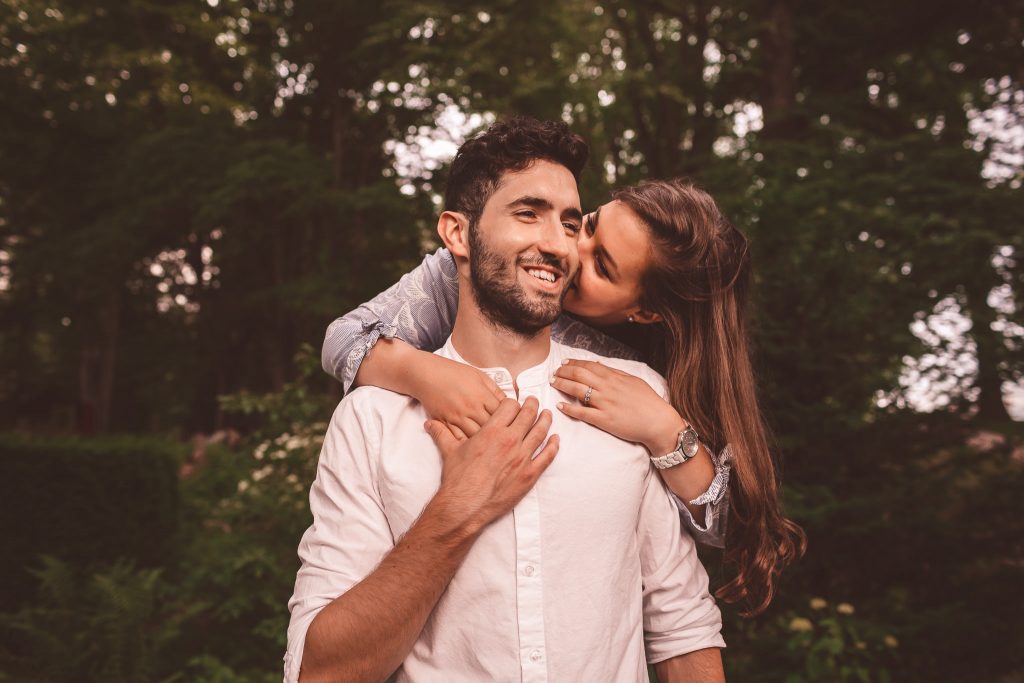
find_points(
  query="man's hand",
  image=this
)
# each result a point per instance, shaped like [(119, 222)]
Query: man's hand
[(364, 634), (484, 476)]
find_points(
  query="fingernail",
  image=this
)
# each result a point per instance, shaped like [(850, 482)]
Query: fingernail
[(565, 362), (561, 406), (553, 378)]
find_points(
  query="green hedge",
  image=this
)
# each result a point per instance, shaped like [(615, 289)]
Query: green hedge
[(84, 500)]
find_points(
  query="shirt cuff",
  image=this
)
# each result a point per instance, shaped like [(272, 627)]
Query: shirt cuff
[(712, 531), (373, 331), (291, 669)]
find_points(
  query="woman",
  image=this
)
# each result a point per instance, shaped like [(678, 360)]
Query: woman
[(660, 268)]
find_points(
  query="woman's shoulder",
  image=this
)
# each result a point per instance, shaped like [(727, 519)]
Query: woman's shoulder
[(443, 259), (569, 331)]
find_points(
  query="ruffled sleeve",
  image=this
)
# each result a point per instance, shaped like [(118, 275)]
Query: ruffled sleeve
[(419, 309), (715, 501)]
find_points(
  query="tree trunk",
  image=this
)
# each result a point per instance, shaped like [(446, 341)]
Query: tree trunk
[(96, 369), (780, 75), (339, 125), (990, 352), (702, 125), (341, 110)]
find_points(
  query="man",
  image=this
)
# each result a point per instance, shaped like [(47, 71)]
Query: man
[(484, 559)]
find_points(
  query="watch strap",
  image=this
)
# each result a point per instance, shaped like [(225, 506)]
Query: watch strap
[(676, 457), (687, 437)]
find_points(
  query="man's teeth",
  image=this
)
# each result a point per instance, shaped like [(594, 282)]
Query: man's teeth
[(542, 274)]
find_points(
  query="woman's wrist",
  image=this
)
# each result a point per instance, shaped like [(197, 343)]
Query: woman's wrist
[(665, 435)]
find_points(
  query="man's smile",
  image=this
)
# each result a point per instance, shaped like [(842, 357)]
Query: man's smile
[(547, 278)]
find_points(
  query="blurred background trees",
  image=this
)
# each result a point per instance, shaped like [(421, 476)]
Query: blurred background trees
[(191, 190)]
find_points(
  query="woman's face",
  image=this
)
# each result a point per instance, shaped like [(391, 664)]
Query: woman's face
[(614, 252)]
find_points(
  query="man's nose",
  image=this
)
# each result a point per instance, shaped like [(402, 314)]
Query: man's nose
[(558, 242)]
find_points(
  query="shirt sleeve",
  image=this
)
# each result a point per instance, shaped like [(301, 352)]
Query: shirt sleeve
[(350, 534), (419, 309), (715, 499), (680, 616), (571, 332)]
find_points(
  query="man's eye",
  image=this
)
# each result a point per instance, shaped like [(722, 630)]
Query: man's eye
[(526, 214), (572, 227)]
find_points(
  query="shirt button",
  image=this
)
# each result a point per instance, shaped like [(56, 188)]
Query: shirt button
[(535, 655), (528, 570)]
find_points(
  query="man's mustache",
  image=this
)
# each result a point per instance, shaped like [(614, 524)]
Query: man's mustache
[(545, 260)]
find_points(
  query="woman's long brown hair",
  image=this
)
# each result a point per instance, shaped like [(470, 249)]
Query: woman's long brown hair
[(699, 282)]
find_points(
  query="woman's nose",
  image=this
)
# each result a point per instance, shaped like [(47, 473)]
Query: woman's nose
[(584, 241)]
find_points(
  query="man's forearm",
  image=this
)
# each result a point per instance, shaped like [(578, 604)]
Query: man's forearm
[(366, 633), (700, 666)]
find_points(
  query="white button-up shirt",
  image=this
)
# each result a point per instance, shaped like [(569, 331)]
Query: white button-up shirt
[(587, 579)]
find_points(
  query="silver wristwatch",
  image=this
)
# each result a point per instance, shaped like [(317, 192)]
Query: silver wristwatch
[(686, 447)]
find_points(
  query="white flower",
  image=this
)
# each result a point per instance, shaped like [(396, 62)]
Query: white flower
[(297, 442), (243, 486), (818, 603), (891, 641), (262, 472), (800, 624), (260, 451), (844, 608)]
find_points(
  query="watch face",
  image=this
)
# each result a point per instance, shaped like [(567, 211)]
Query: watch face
[(690, 443)]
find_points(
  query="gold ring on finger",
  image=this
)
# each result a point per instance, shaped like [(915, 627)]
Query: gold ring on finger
[(586, 396)]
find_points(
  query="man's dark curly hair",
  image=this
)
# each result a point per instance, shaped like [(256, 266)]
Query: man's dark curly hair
[(508, 146)]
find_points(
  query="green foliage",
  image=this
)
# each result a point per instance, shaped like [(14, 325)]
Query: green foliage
[(926, 540), (190, 191), (86, 501), (246, 510), (217, 610), (824, 643), (113, 626)]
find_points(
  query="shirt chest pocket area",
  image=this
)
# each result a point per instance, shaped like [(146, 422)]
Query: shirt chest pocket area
[(410, 476), (596, 472)]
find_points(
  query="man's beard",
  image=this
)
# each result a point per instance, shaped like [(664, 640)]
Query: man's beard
[(500, 295)]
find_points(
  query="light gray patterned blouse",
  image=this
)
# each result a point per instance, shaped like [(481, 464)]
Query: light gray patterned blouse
[(420, 310)]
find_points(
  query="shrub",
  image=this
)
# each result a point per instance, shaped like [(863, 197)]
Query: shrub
[(86, 501), (111, 626), (820, 642)]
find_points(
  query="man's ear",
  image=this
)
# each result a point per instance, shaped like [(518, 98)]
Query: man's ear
[(453, 229), (643, 317)]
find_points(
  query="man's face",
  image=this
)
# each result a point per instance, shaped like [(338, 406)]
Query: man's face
[(523, 252)]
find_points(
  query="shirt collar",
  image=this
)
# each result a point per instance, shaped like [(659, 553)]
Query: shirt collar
[(531, 377)]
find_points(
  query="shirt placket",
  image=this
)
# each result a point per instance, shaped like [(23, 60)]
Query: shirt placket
[(529, 589), (529, 584)]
